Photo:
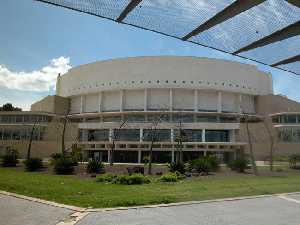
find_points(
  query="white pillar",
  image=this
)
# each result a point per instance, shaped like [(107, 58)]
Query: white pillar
[(203, 135), (121, 100), (219, 101), (240, 103), (139, 156), (108, 155), (173, 156), (171, 100), (172, 135), (195, 100), (145, 99), (141, 135), (100, 101), (81, 104), (111, 133)]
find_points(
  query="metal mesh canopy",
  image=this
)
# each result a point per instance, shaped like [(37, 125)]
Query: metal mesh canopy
[(265, 31)]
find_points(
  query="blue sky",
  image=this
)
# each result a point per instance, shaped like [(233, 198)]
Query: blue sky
[(37, 41)]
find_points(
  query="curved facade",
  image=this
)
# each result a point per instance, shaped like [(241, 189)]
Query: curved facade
[(164, 84)]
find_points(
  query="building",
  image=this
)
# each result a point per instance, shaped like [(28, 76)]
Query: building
[(194, 104)]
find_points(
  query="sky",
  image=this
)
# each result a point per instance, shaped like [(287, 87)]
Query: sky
[(38, 41)]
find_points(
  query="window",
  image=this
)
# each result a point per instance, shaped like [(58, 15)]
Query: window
[(134, 118), (188, 135), (205, 119), (185, 118), (158, 118), (98, 135), (112, 119), (159, 135), (127, 134), (217, 136), (228, 119)]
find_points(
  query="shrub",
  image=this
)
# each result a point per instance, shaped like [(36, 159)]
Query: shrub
[(124, 179), (10, 159), (188, 167), (94, 166), (108, 178), (179, 166), (239, 165), (135, 169), (294, 160), (214, 162), (33, 164), (206, 164), (171, 177), (63, 165)]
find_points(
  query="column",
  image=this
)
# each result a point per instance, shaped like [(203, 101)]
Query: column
[(81, 104), (141, 134), (100, 101), (111, 133), (173, 156), (171, 100), (121, 100), (240, 103), (195, 100), (172, 135), (145, 99), (139, 156), (108, 155), (203, 135), (219, 101)]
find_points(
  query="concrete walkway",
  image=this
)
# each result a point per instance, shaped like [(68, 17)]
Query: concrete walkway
[(266, 210)]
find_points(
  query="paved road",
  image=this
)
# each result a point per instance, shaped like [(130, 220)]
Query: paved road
[(283, 210), (15, 211), (259, 211)]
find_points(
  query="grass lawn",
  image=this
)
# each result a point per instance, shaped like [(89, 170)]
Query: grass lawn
[(72, 190)]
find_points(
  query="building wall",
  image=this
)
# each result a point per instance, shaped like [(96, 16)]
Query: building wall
[(164, 72), (52, 104)]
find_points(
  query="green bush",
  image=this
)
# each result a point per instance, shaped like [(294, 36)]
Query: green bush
[(124, 179), (33, 164), (179, 166), (94, 166), (108, 178), (239, 165), (10, 159), (171, 177), (63, 165), (206, 164), (294, 160)]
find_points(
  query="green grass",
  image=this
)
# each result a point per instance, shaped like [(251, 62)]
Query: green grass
[(72, 190)]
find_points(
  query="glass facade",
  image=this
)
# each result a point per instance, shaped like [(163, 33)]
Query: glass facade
[(22, 134), (127, 134), (6, 119), (98, 135), (188, 135), (289, 135), (159, 135), (288, 119), (217, 136)]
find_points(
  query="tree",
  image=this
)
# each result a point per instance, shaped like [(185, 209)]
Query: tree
[(9, 107), (113, 145), (154, 137), (252, 158), (272, 138), (30, 140)]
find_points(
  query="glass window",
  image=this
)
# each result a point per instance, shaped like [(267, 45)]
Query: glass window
[(206, 119), (226, 119), (217, 136), (112, 119), (158, 118), (159, 135), (98, 135), (275, 119), (188, 135), (134, 118), (7, 134), (185, 118), (127, 134), (291, 119)]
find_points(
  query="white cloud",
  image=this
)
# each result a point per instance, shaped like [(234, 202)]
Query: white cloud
[(38, 80)]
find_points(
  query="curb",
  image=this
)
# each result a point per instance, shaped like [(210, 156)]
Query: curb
[(87, 210), (45, 202)]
